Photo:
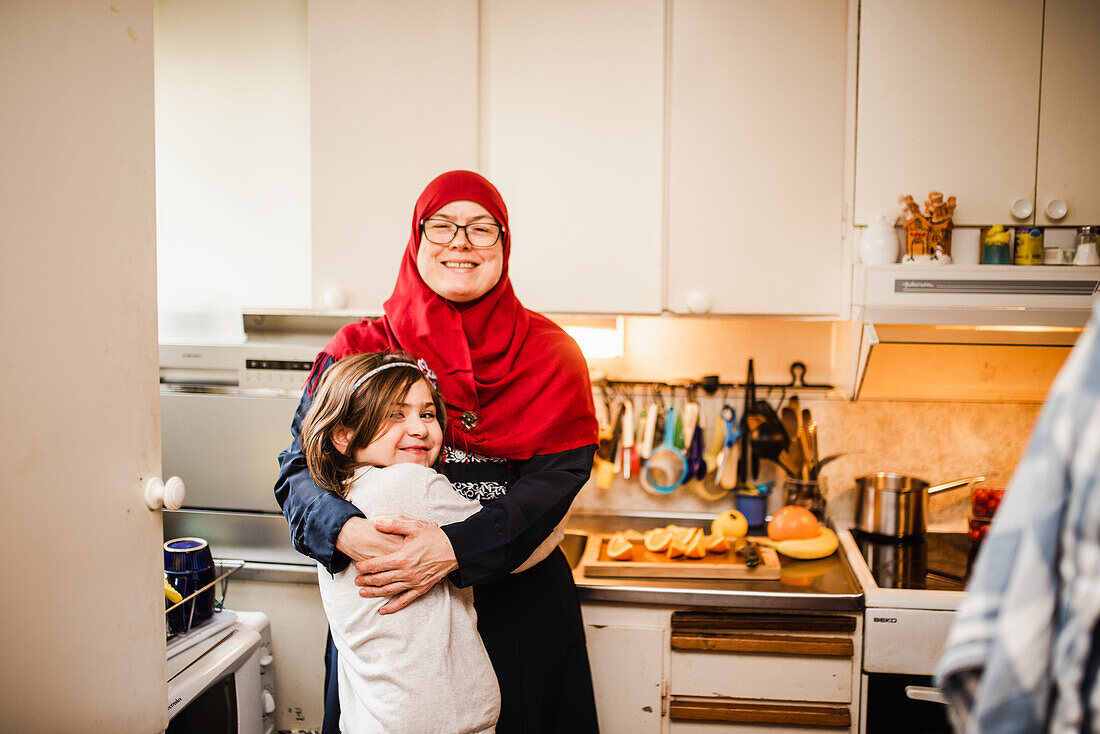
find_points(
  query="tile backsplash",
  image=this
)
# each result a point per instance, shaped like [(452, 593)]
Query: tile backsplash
[(936, 441)]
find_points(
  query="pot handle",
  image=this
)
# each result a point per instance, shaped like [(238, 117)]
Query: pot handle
[(955, 484)]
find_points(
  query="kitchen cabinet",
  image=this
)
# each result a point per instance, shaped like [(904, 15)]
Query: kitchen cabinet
[(755, 156), (989, 101), (82, 608), (393, 103), (572, 135), (673, 670), (627, 648), (1069, 138), (749, 671)]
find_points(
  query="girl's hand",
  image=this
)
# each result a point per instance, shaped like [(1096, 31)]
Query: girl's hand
[(423, 560), (359, 540)]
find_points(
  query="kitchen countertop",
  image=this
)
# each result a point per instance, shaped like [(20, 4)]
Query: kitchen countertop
[(827, 584)]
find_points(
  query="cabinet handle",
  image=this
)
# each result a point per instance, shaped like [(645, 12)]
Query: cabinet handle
[(766, 644), (169, 495), (1022, 208), (744, 712), (1056, 209), (924, 693), (698, 302)]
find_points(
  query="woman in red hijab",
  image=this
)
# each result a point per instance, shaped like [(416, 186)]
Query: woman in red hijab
[(520, 438)]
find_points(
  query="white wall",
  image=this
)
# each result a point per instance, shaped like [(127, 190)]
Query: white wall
[(232, 128)]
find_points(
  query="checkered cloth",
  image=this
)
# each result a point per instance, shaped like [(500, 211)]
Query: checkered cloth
[(1022, 654)]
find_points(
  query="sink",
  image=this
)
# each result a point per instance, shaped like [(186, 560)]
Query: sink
[(572, 545)]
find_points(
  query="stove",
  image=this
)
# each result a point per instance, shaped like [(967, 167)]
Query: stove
[(911, 590)]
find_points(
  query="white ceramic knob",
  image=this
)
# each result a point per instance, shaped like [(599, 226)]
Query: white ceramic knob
[(698, 302), (1056, 209), (269, 703), (335, 299), (266, 660), (168, 495), (1022, 208)]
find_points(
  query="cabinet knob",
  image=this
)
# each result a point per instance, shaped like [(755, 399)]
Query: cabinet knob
[(698, 302), (168, 495), (269, 702), (1022, 208), (1056, 209), (335, 299)]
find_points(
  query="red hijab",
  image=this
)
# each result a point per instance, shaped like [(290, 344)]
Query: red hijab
[(523, 378)]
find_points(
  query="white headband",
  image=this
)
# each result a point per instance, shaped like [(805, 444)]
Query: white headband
[(376, 370)]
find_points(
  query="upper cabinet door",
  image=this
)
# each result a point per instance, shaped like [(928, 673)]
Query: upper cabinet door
[(1069, 136), (393, 103), (82, 609), (573, 115), (948, 99), (756, 156)]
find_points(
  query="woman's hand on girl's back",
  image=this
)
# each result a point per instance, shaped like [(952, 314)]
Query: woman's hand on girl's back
[(423, 560), (359, 540)]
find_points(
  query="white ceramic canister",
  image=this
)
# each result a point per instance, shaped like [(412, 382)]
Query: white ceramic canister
[(879, 244)]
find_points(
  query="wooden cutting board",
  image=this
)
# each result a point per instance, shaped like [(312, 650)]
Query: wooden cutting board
[(647, 564)]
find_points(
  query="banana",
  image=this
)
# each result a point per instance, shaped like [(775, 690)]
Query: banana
[(823, 545), (171, 594)]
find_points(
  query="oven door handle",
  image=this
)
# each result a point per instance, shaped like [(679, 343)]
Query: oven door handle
[(925, 693)]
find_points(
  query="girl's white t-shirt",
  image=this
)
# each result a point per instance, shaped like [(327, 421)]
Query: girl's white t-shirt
[(424, 668)]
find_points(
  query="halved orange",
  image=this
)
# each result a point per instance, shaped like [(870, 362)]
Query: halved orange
[(657, 540), (698, 547), (716, 543), (620, 548), (676, 548)]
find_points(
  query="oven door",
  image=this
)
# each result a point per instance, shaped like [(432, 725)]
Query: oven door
[(901, 704), (220, 693)]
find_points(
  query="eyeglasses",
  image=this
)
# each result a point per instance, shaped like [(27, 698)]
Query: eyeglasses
[(478, 234)]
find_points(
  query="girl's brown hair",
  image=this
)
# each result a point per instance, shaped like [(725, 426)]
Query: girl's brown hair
[(362, 409)]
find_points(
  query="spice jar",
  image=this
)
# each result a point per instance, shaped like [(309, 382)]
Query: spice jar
[(1087, 245)]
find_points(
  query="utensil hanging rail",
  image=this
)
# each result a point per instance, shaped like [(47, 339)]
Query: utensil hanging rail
[(710, 384)]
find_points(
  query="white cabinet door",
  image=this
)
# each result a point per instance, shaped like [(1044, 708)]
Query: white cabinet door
[(756, 149), (393, 103), (627, 646), (1069, 137), (948, 94), (573, 133), (82, 605)]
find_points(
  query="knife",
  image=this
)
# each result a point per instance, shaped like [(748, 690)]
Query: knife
[(748, 552)]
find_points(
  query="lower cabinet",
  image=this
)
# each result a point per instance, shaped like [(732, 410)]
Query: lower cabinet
[(658, 669)]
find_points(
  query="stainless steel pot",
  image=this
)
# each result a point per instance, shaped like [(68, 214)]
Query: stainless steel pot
[(895, 505)]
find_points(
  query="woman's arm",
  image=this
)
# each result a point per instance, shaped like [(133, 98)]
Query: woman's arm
[(323, 526), (488, 545)]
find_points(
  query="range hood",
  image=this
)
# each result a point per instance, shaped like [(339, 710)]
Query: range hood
[(991, 331)]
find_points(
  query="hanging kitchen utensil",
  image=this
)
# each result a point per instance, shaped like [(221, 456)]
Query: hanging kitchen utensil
[(727, 477), (628, 439), (667, 466), (649, 431), (747, 463)]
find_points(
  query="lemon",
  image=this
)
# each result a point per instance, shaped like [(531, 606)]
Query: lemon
[(716, 543), (620, 548), (657, 540), (698, 547), (731, 524)]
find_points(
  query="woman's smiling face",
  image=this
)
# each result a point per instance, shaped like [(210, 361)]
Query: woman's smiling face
[(458, 271)]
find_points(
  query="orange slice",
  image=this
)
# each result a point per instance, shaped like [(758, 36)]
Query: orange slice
[(676, 548), (620, 548), (657, 540), (716, 543), (698, 547)]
